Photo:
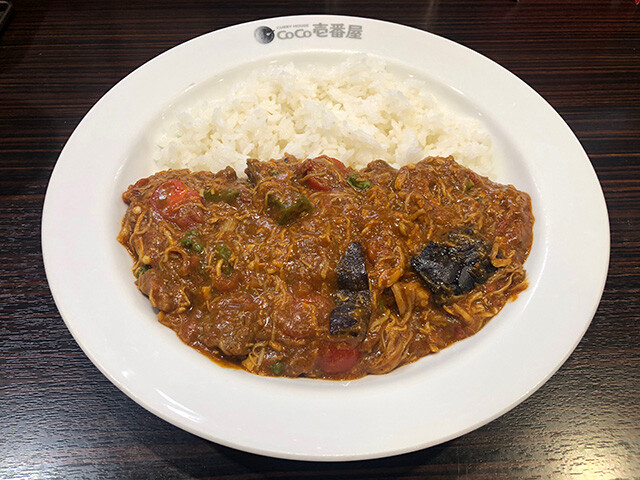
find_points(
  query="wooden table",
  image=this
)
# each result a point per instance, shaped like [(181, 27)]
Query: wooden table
[(60, 418)]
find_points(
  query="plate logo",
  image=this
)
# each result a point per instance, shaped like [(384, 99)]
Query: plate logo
[(265, 34)]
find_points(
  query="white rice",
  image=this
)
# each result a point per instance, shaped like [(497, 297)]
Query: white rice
[(356, 111)]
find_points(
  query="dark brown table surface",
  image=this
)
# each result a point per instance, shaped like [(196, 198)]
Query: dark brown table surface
[(60, 418)]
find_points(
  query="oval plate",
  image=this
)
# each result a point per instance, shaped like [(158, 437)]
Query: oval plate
[(433, 400)]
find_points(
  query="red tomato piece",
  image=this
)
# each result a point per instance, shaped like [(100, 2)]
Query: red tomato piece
[(172, 194), (174, 201), (318, 183), (341, 167), (320, 173), (338, 358)]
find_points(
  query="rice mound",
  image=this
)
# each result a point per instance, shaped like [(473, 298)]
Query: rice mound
[(356, 111)]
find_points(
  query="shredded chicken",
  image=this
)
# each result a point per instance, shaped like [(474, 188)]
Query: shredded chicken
[(310, 268)]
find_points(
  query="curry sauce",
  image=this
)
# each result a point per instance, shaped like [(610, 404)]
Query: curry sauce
[(310, 268)]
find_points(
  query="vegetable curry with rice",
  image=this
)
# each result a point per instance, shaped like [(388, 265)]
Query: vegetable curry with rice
[(310, 268)]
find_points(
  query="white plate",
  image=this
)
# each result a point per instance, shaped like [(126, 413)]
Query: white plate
[(433, 400)]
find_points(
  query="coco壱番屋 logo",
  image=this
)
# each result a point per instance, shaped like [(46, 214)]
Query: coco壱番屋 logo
[(264, 34)]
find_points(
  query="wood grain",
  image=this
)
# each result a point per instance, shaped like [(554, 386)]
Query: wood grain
[(60, 418)]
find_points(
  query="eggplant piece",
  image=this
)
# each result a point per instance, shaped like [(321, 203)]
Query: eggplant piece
[(455, 265), (351, 270), (351, 316), (353, 299)]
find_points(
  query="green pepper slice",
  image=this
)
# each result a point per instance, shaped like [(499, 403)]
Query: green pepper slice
[(189, 241), (227, 195), (142, 269), (361, 183), (224, 251), (277, 367), (284, 213)]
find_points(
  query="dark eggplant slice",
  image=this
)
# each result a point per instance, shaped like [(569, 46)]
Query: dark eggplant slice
[(353, 300), (351, 270), (351, 316), (455, 265)]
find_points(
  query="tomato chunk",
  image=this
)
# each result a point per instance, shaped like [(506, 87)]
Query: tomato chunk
[(323, 173), (341, 167), (176, 202), (319, 184), (338, 358)]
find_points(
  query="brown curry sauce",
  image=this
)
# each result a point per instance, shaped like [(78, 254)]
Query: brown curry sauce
[(310, 268)]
